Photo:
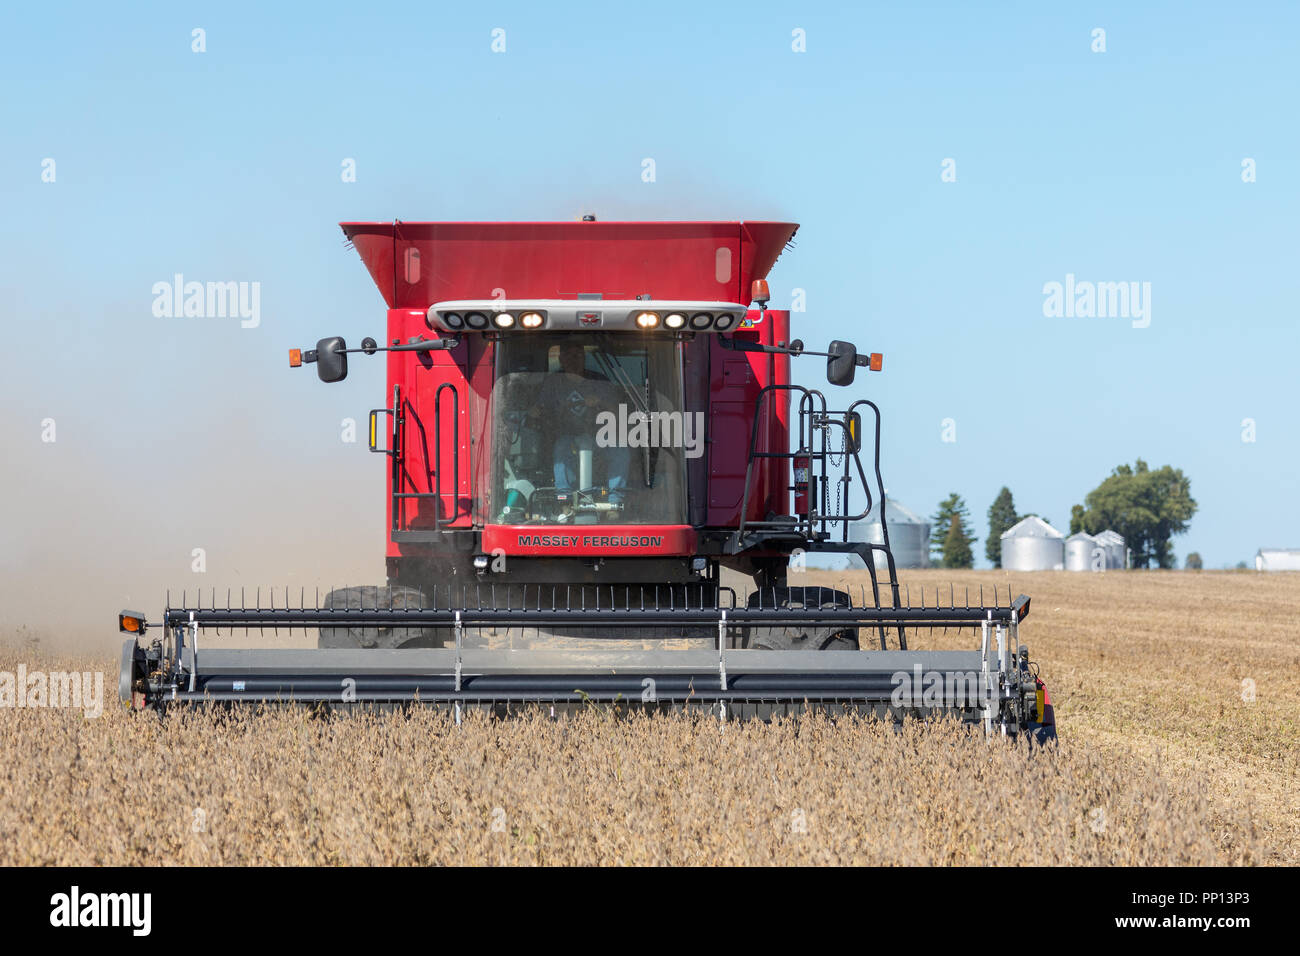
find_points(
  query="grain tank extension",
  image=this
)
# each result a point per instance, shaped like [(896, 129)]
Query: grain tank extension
[(591, 433)]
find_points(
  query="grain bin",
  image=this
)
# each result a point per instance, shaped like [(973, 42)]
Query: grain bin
[(1033, 545), (909, 535), (1116, 552), (1083, 552), (1272, 559)]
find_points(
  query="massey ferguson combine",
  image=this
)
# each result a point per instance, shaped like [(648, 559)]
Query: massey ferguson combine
[(586, 424)]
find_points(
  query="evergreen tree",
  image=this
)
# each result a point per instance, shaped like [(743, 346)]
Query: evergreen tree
[(1002, 516), (952, 507), (957, 546)]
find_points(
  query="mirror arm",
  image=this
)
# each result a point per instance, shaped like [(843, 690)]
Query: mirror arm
[(414, 345), (425, 345), (740, 345)]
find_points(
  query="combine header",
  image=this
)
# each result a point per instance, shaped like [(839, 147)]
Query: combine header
[(589, 424)]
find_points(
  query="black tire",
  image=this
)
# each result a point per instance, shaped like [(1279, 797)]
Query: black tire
[(801, 639), (371, 596), (807, 637)]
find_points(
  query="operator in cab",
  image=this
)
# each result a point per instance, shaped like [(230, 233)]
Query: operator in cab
[(568, 406)]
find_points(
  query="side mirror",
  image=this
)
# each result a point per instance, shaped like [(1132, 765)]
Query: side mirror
[(331, 360), (841, 362)]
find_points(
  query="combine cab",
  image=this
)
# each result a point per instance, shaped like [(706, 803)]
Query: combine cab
[(591, 430)]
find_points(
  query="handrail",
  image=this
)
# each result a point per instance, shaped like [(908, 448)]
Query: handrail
[(439, 522)]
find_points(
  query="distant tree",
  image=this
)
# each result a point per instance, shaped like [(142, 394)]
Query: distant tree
[(1146, 507), (957, 545), (940, 521), (1193, 562), (1242, 566), (1002, 516), (1076, 519)]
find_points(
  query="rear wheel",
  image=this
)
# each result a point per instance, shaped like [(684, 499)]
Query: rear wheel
[(370, 596), (806, 637)]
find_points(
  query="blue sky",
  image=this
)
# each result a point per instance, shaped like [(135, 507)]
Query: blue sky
[(225, 165)]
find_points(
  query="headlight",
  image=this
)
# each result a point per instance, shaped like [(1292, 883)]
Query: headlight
[(701, 320), (452, 320), (531, 320), (476, 320), (503, 320), (647, 320), (723, 322), (674, 320)]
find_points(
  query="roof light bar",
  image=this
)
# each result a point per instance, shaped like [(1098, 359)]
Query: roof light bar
[(635, 315)]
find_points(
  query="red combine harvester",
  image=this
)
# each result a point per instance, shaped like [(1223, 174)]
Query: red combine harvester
[(586, 423)]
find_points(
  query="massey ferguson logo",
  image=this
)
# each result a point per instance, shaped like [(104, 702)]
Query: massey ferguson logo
[(591, 540)]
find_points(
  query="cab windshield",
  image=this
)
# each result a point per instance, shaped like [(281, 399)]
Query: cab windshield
[(589, 428)]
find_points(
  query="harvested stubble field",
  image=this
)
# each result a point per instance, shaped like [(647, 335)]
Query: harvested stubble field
[(1162, 762)]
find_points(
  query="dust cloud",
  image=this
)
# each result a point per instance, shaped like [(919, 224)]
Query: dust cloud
[(122, 457)]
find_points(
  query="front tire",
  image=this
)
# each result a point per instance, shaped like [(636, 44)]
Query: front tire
[(807, 637), (370, 596)]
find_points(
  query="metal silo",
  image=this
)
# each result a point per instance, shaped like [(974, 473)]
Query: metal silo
[(909, 535), (1033, 545), (1268, 559), (1116, 552), (1083, 552)]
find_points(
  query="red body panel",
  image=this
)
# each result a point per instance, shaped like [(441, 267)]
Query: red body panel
[(417, 264), (625, 540), (735, 381)]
